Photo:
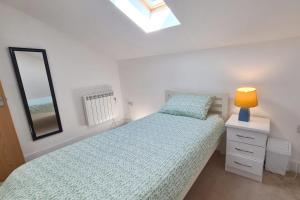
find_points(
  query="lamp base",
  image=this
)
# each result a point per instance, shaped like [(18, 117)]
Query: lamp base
[(244, 115)]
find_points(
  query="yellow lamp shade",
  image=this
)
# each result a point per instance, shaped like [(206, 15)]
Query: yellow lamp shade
[(246, 97)]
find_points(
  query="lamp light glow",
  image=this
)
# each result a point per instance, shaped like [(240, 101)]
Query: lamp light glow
[(245, 97)]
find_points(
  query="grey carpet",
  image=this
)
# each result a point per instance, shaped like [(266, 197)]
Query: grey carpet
[(215, 184)]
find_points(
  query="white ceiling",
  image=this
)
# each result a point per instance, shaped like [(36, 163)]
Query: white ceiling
[(204, 24)]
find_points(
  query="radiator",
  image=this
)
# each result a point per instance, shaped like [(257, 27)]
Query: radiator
[(99, 108)]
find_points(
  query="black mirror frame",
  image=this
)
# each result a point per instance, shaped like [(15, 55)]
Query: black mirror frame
[(22, 91)]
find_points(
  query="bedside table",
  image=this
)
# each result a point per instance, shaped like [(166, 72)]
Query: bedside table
[(246, 146)]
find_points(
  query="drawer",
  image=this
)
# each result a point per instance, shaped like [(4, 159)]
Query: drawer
[(247, 137), (245, 164), (245, 150)]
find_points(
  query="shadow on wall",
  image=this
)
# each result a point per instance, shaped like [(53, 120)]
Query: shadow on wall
[(77, 96), (288, 121)]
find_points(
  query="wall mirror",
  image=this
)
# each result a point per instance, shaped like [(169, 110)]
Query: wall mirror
[(36, 88)]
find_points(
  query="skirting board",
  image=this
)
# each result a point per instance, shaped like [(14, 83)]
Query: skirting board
[(294, 166), (34, 155), (55, 147)]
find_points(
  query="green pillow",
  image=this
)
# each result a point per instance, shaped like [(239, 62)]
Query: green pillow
[(195, 106)]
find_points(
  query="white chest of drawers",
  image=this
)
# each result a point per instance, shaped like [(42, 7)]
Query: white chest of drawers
[(246, 146)]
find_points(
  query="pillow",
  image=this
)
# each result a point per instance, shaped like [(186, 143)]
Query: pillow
[(188, 105)]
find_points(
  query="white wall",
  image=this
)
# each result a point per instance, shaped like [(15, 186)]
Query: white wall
[(272, 67), (74, 69)]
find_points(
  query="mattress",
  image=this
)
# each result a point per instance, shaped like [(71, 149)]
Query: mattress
[(152, 158)]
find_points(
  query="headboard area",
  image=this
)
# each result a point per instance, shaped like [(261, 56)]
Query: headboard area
[(220, 105)]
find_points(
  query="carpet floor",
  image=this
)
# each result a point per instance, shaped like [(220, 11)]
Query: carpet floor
[(216, 184)]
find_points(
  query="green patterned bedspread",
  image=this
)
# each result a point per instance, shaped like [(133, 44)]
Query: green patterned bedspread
[(151, 158)]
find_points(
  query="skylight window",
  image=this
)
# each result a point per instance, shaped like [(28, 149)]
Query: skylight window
[(150, 15)]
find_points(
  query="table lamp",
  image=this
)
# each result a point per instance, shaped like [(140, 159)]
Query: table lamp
[(245, 98)]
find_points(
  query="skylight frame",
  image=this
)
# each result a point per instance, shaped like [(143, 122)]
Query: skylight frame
[(151, 7), (155, 18)]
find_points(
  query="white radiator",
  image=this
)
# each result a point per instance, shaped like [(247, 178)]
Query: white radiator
[(99, 108)]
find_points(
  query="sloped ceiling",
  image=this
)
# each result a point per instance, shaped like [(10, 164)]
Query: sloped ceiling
[(205, 24)]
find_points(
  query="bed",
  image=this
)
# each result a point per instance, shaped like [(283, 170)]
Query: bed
[(157, 157)]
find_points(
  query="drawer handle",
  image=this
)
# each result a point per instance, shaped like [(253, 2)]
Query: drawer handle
[(247, 137), (238, 163), (242, 150)]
